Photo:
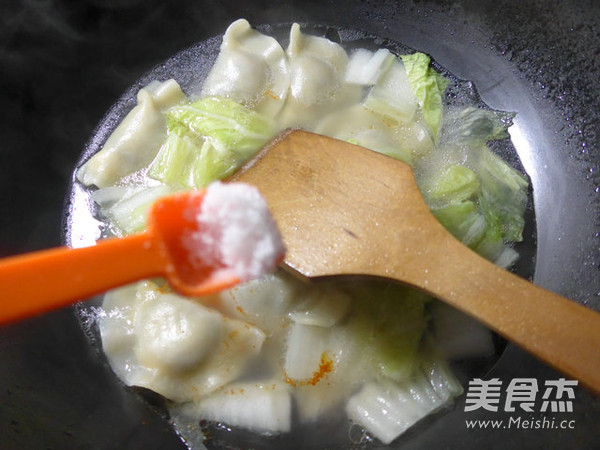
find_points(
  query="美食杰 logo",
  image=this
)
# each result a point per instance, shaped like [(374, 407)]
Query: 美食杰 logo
[(518, 396)]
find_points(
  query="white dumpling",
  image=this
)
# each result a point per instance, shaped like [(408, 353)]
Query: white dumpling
[(115, 323), (137, 139), (317, 79), (174, 345), (251, 69), (317, 65), (174, 334)]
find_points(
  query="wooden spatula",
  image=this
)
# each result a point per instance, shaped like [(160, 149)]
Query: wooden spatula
[(346, 210)]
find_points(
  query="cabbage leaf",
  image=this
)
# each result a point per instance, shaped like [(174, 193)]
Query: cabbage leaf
[(429, 87), (208, 140)]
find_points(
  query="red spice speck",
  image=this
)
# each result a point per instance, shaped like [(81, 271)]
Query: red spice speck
[(325, 367), (232, 334), (271, 94), (164, 289)]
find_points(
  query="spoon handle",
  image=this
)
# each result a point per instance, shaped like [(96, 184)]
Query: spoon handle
[(49, 279), (559, 331)]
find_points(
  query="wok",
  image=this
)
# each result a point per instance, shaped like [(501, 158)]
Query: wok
[(64, 65)]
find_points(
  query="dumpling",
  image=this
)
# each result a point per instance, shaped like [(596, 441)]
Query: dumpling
[(317, 66), (317, 86), (174, 345), (251, 69), (136, 141)]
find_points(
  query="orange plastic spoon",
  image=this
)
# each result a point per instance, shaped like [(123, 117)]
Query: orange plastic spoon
[(41, 281)]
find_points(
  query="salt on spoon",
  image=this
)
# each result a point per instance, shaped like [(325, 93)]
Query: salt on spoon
[(235, 231)]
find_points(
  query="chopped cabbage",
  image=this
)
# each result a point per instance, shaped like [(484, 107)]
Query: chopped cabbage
[(429, 87), (503, 196), (387, 408), (454, 184), (227, 124), (129, 212), (172, 163), (366, 67), (389, 321), (323, 306), (476, 195), (264, 409), (504, 191), (208, 140), (393, 94)]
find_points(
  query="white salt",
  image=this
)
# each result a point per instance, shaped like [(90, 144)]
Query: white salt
[(236, 230)]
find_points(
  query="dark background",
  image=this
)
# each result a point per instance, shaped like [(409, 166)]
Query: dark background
[(64, 63)]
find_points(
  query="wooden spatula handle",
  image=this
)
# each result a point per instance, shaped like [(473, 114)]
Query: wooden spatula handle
[(559, 331)]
